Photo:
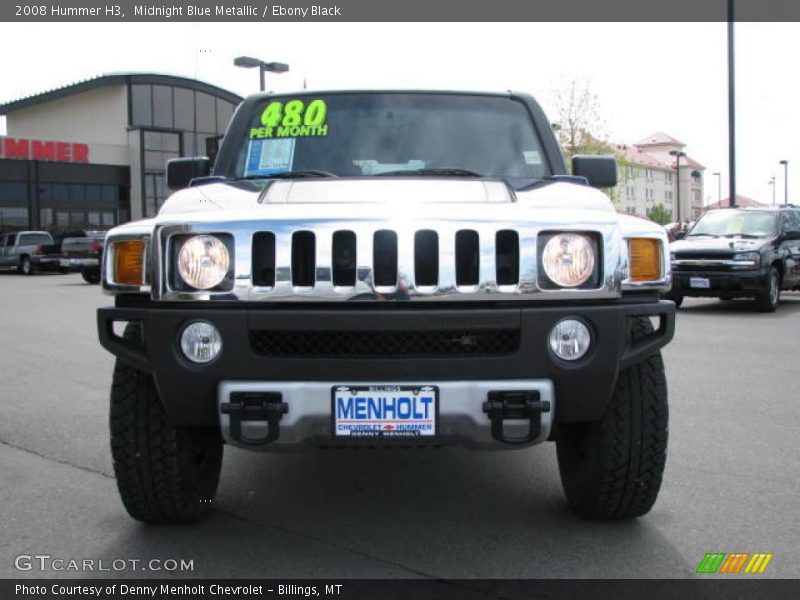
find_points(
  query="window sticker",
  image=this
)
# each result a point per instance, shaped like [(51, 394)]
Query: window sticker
[(293, 119), (532, 157), (373, 167), (266, 157)]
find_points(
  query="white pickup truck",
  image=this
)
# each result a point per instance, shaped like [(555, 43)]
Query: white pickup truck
[(388, 269), (28, 251)]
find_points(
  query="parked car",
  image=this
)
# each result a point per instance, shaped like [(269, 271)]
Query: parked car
[(393, 269), (739, 252), (28, 251), (83, 253)]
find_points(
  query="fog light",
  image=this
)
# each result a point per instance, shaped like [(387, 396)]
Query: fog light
[(570, 339), (201, 342)]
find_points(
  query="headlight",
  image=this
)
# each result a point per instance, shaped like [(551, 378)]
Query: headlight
[(201, 342), (203, 261), (568, 259), (570, 339), (751, 258)]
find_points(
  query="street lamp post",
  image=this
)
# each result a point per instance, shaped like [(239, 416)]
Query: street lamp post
[(718, 175), (785, 164), (677, 154), (249, 62), (772, 183)]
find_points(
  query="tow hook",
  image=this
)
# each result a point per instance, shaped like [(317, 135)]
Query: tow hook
[(510, 405), (254, 406)]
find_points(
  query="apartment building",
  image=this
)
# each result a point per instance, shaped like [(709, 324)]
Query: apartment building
[(648, 176)]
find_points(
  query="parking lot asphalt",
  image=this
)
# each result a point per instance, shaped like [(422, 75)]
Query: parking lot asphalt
[(732, 481)]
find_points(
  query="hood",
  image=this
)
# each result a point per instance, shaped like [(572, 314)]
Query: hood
[(717, 245), (395, 192)]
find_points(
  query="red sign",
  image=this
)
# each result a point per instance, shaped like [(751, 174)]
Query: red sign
[(43, 150)]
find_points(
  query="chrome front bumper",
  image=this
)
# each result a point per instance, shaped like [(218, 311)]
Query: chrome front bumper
[(461, 419)]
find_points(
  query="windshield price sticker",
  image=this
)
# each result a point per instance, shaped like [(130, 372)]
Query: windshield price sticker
[(266, 157), (294, 118)]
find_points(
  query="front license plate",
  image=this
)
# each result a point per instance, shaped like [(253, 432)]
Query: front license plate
[(384, 411), (699, 282)]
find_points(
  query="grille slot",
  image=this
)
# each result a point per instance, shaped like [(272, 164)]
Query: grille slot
[(303, 258), (263, 259), (468, 259), (343, 257), (705, 256), (507, 257), (384, 258), (385, 344), (426, 258)]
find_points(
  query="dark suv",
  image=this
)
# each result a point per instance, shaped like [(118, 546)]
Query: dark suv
[(739, 252)]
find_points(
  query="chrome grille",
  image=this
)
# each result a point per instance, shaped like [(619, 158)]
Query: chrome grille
[(422, 263), (334, 260)]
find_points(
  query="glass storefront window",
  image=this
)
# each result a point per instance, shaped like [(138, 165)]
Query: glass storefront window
[(141, 105), (162, 106), (14, 206), (184, 108), (206, 113), (13, 218)]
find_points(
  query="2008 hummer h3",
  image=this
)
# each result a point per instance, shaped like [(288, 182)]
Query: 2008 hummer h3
[(392, 269)]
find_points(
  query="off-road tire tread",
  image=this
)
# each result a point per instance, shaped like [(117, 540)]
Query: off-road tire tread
[(147, 450), (631, 439)]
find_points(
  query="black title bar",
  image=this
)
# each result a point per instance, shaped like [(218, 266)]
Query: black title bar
[(398, 10), (707, 588)]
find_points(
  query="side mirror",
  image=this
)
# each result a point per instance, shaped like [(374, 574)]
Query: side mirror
[(680, 235), (181, 171), (599, 171)]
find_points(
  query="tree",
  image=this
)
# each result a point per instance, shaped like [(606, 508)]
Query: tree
[(579, 114), (580, 129), (659, 214)]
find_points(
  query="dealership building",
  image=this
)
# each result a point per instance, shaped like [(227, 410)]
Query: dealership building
[(92, 154)]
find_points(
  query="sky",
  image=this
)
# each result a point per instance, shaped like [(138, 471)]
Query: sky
[(648, 77)]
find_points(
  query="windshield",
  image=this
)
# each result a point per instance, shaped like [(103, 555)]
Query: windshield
[(732, 223), (380, 134)]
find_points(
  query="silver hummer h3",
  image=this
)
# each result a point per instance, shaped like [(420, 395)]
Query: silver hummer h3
[(388, 269)]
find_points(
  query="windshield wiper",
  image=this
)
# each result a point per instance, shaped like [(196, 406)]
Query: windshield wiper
[(435, 172), (748, 236), (292, 175)]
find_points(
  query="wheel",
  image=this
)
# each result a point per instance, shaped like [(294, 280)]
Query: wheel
[(91, 275), (26, 266), (768, 300), (612, 469), (165, 474)]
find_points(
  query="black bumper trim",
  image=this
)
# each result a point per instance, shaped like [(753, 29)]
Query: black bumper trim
[(189, 391)]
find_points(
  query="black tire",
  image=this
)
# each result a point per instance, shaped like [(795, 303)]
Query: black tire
[(768, 300), (612, 469), (165, 474), (91, 276), (26, 265)]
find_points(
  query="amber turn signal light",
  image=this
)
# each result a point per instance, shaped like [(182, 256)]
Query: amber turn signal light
[(645, 259), (129, 262)]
